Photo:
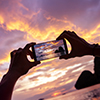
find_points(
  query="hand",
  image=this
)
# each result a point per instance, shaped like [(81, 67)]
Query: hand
[(19, 62), (79, 46)]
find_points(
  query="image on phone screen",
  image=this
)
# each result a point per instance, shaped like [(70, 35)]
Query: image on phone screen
[(49, 50)]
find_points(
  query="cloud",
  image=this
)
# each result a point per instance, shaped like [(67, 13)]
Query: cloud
[(45, 20), (10, 41), (49, 93), (36, 23), (23, 21), (36, 80), (77, 12)]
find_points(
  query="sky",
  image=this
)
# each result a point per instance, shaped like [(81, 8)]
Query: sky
[(25, 21)]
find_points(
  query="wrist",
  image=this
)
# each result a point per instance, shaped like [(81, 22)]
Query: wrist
[(94, 49), (13, 74), (9, 78), (90, 49)]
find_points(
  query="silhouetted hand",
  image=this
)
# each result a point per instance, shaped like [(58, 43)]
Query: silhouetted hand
[(79, 46), (19, 62)]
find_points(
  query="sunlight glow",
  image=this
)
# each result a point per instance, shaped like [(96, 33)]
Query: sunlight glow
[(17, 25), (6, 59), (68, 46), (1, 20), (56, 94)]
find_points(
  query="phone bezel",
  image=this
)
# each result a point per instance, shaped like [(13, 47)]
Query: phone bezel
[(34, 54)]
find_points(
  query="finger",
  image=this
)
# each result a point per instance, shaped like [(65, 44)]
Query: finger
[(36, 63), (13, 53), (63, 35), (68, 37), (67, 33), (67, 56), (31, 54), (60, 36), (73, 33), (32, 64), (64, 57), (29, 45), (19, 49), (27, 51)]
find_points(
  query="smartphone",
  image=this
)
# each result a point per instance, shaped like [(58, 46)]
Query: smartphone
[(50, 49)]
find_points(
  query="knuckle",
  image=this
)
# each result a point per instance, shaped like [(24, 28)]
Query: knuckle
[(20, 49)]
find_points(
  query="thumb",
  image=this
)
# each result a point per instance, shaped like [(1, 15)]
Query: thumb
[(67, 56), (32, 64)]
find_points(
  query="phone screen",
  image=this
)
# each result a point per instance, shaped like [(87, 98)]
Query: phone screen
[(51, 49)]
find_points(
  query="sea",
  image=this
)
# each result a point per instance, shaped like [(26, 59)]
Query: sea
[(89, 93)]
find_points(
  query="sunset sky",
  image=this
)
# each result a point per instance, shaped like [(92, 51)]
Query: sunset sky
[(25, 21)]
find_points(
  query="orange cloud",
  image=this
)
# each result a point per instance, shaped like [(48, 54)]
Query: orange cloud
[(90, 35), (42, 25), (17, 25)]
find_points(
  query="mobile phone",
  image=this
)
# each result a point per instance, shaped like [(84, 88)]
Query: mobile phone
[(50, 49)]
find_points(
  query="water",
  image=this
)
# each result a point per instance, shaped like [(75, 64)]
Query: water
[(90, 93)]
